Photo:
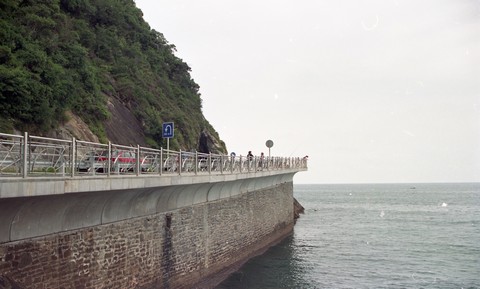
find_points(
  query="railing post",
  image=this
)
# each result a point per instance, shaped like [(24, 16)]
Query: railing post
[(92, 163), (196, 162), (116, 161), (63, 162), (76, 154), (180, 163), (109, 158), (25, 153), (73, 151), (241, 165), (221, 164), (137, 160), (161, 161), (210, 163)]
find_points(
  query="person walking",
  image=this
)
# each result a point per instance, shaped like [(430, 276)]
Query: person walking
[(261, 162)]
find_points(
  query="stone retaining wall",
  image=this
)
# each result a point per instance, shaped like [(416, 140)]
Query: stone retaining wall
[(176, 249)]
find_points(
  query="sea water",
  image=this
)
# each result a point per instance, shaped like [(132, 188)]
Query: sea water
[(375, 236)]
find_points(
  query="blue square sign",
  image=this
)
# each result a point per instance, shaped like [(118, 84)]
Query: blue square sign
[(167, 130)]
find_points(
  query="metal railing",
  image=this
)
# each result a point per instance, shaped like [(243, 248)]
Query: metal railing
[(29, 156)]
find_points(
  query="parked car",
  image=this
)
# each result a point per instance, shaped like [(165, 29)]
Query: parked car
[(120, 161), (93, 161)]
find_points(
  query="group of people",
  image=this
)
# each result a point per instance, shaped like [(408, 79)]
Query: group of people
[(262, 156), (249, 156), (260, 161)]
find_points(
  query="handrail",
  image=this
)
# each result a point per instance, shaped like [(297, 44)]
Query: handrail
[(26, 156)]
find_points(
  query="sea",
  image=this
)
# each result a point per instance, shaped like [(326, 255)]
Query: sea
[(375, 236)]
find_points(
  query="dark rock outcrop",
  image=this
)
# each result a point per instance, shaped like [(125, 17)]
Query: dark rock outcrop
[(297, 209), (209, 144)]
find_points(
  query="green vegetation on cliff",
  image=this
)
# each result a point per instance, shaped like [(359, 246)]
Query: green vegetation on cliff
[(58, 56)]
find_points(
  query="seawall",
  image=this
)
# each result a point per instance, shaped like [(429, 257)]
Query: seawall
[(191, 245)]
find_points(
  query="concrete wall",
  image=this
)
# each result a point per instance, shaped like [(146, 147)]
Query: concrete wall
[(169, 238), (29, 217), (44, 186)]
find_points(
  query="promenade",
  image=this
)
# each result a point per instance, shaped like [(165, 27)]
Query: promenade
[(34, 166)]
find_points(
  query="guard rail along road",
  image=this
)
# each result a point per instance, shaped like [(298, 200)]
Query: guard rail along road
[(28, 162)]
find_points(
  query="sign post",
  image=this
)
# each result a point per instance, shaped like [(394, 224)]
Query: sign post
[(168, 132), (269, 144)]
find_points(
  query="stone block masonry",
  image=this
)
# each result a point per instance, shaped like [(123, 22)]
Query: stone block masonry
[(189, 247)]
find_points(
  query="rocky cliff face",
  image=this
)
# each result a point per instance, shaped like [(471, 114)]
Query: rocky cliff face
[(207, 143), (73, 127), (123, 128)]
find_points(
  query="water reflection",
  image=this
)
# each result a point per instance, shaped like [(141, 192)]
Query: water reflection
[(277, 268)]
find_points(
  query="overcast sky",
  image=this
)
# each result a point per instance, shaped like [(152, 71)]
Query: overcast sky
[(372, 91)]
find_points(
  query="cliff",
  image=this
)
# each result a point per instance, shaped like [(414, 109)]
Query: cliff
[(95, 70)]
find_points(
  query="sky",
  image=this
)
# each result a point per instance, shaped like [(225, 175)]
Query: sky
[(373, 91)]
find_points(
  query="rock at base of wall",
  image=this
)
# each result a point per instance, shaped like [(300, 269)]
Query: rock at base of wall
[(297, 209)]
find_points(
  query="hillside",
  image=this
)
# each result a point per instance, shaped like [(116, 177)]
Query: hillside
[(95, 70)]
